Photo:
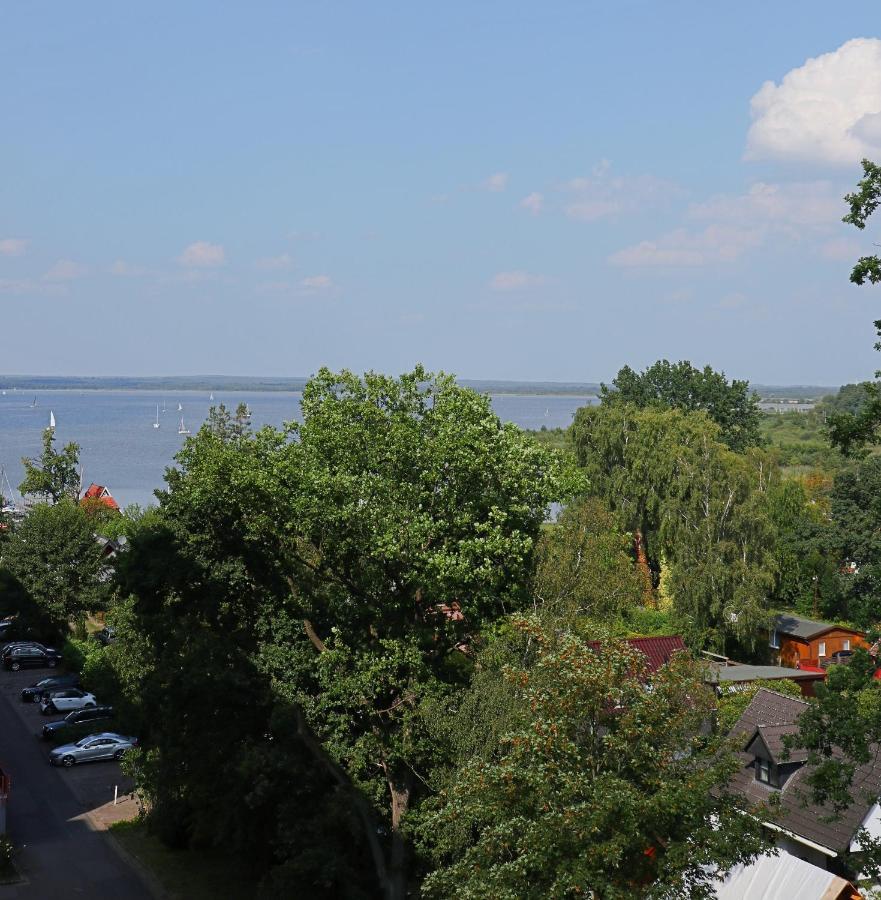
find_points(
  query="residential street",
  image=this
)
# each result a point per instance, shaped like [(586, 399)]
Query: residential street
[(58, 851)]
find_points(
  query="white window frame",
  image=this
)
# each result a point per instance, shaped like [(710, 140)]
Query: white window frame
[(763, 768), (846, 644), (774, 641), (821, 649)]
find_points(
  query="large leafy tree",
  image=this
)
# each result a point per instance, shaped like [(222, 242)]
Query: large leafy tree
[(607, 786), (691, 501), (55, 558), (342, 569), (54, 474), (683, 386)]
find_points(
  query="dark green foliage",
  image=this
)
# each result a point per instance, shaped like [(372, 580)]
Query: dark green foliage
[(54, 475), (55, 559), (682, 386), (605, 789), (863, 202)]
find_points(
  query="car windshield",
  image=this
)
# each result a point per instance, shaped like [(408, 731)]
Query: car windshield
[(83, 741)]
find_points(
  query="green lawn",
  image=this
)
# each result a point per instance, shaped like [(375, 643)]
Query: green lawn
[(184, 874)]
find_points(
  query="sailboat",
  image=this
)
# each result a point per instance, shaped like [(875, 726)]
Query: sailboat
[(247, 413), (51, 420), (180, 408), (183, 428), (156, 423), (211, 397), (163, 406)]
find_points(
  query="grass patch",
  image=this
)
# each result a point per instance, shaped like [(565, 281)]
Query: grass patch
[(190, 874)]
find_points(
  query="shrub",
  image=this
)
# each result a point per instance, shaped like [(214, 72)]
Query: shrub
[(6, 853)]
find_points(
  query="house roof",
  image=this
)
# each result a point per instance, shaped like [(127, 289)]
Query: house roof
[(796, 626), (796, 813), (99, 493), (739, 672), (772, 737), (782, 875), (657, 650)]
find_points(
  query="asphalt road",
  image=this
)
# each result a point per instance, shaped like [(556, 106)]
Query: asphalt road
[(58, 852)]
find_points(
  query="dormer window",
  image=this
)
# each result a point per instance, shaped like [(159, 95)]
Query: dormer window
[(763, 770)]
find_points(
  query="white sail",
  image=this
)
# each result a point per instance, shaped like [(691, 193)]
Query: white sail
[(51, 419), (211, 396), (183, 428), (156, 423), (180, 408)]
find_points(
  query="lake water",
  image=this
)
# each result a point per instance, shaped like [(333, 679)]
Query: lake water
[(120, 448)]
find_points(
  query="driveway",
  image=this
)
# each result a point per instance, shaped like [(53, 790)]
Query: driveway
[(58, 851)]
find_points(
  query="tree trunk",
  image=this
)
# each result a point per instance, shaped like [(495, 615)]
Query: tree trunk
[(642, 563), (396, 888)]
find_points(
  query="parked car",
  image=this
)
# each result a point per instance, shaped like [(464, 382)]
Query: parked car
[(69, 698), (106, 745), (45, 687), (24, 656), (75, 723), (106, 635), (839, 658)]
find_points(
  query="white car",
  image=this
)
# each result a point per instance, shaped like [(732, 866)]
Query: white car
[(66, 700)]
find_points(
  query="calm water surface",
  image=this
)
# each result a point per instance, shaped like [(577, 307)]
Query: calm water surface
[(120, 447)]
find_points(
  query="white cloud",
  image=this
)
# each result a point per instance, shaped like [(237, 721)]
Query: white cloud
[(23, 286), (317, 283), (517, 280), (274, 263), (497, 182), (533, 202), (65, 270), (12, 246), (713, 244), (814, 204), (202, 255), (123, 268), (602, 196), (826, 111)]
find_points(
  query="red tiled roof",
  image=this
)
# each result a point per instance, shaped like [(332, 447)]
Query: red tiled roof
[(100, 494), (656, 650)]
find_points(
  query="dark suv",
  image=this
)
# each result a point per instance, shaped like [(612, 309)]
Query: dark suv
[(30, 656), (77, 723), (35, 692)]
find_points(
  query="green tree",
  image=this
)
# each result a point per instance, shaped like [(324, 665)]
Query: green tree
[(683, 386), (584, 570), (863, 202), (337, 573), (54, 556), (607, 790), (691, 500), (53, 475)]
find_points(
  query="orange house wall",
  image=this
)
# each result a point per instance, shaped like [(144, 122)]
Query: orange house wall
[(793, 650)]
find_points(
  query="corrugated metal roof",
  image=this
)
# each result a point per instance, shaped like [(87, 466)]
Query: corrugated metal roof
[(743, 672), (657, 650)]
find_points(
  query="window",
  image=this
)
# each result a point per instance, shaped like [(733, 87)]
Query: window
[(822, 649), (763, 770), (846, 644), (775, 639)]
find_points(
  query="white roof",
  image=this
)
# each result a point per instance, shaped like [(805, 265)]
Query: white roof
[(778, 877)]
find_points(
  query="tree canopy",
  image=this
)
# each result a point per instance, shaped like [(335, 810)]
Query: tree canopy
[(683, 386), (54, 475)]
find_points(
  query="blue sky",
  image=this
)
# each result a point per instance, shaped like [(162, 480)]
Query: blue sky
[(526, 191)]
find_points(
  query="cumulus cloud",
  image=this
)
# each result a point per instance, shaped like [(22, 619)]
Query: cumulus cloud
[(533, 202), (65, 270), (317, 283), (601, 195), (713, 244), (274, 263), (12, 246), (202, 255), (825, 111), (517, 280), (497, 182)]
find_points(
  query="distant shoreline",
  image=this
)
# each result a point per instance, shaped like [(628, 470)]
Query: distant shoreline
[(232, 384)]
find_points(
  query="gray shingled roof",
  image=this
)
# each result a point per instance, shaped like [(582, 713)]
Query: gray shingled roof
[(772, 736), (768, 708), (786, 623)]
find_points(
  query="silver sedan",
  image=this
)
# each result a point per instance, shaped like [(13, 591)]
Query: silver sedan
[(106, 745)]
